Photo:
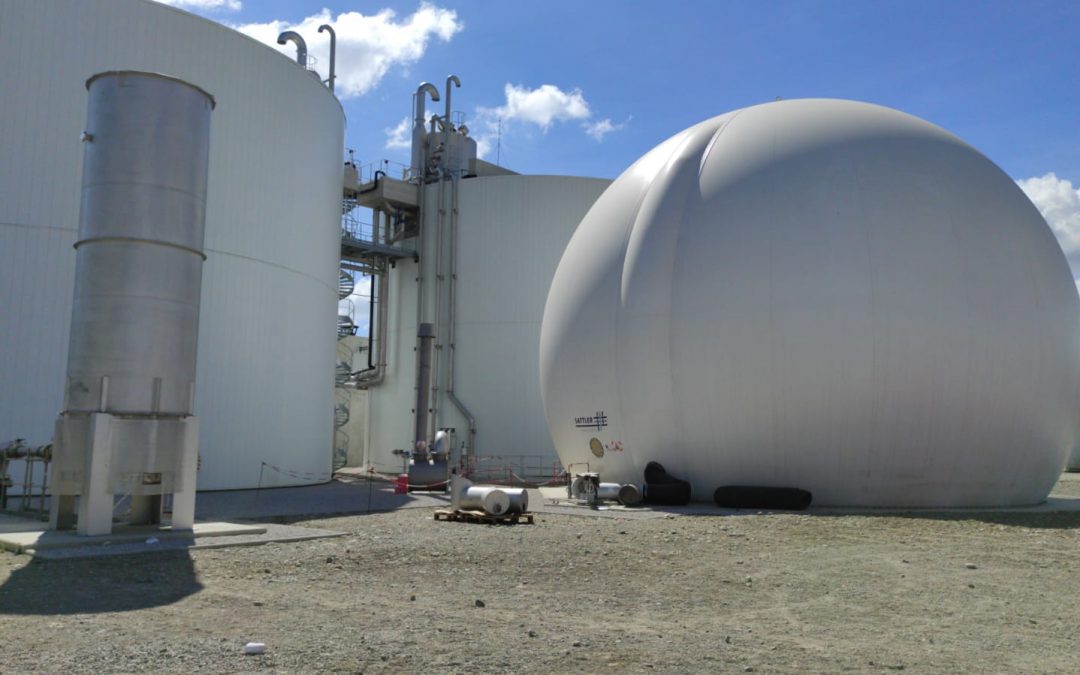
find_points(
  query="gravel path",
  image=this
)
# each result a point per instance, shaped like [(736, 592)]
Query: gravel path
[(402, 593)]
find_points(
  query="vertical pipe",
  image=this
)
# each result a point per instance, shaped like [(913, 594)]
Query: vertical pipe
[(438, 292), (425, 338), (381, 319), (452, 320), (379, 294), (380, 284), (333, 52), (448, 161), (419, 133), (419, 263), (452, 79), (371, 324)]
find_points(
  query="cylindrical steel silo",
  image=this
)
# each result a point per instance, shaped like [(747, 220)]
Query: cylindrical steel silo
[(135, 319), (127, 426)]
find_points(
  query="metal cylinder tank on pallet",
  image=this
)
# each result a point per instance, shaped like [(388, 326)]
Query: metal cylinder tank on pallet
[(821, 294), (135, 318)]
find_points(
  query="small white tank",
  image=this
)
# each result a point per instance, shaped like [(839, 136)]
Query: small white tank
[(454, 150), (820, 294)]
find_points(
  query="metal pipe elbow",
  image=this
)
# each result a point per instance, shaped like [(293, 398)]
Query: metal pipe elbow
[(450, 79), (333, 52), (429, 88), (301, 46)]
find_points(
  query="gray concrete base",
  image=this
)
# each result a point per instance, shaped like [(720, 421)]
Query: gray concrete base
[(23, 535), (20, 540), (268, 534)]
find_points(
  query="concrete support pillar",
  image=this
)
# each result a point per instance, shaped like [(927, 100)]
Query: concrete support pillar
[(183, 505), (96, 502), (61, 512)]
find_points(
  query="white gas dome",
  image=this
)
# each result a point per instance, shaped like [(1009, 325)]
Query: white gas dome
[(820, 294)]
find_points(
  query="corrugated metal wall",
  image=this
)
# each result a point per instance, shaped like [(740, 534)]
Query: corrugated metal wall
[(267, 330), (512, 233)]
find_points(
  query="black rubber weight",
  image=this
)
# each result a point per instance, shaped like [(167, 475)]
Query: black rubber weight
[(655, 473), (757, 497), (663, 489), (667, 494)]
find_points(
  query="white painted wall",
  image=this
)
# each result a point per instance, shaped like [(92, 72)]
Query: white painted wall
[(513, 230), (267, 326)]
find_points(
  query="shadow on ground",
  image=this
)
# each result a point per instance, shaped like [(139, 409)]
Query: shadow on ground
[(98, 585), (1051, 521), (1035, 518), (289, 504)]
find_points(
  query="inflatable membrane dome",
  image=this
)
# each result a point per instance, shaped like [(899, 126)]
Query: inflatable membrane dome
[(821, 294)]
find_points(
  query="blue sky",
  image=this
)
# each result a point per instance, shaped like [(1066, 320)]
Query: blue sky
[(1001, 75), (585, 87)]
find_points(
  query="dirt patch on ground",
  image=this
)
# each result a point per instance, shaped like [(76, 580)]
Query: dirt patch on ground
[(402, 592)]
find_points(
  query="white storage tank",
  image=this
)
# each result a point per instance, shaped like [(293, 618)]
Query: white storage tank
[(511, 230), (267, 329), (820, 294)]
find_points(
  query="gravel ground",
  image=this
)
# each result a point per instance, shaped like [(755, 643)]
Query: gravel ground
[(404, 593)]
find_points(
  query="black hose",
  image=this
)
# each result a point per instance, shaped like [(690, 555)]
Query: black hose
[(371, 298), (371, 323), (374, 187)]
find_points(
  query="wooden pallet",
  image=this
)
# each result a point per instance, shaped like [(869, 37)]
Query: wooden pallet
[(466, 516)]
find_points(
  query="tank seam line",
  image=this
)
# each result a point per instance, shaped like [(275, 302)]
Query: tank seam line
[(274, 265)]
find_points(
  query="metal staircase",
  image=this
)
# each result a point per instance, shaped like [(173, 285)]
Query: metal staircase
[(346, 284), (341, 418), (343, 372)]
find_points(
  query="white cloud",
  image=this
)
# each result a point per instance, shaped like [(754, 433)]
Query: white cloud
[(367, 46), (1059, 203), (483, 145), (400, 136), (206, 5), (602, 128), (541, 107)]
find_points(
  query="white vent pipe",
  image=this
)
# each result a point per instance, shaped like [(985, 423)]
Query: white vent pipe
[(451, 79), (419, 133), (333, 53)]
